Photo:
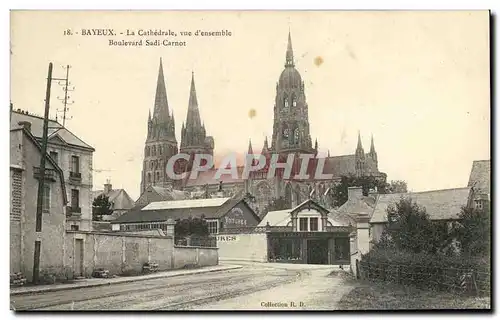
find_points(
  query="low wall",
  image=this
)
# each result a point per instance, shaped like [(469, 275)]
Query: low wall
[(247, 247), (122, 253)]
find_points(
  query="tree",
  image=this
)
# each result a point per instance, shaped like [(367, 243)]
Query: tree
[(473, 231), (277, 204), (191, 226), (101, 206), (410, 229), (397, 186)]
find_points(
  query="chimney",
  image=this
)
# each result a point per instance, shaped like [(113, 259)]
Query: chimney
[(354, 193), (107, 187), (25, 124)]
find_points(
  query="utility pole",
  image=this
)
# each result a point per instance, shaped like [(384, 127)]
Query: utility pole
[(41, 181), (65, 83)]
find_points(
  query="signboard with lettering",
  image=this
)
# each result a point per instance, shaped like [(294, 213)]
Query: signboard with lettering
[(230, 238)]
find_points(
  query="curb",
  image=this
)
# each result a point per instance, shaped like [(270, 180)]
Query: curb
[(88, 285)]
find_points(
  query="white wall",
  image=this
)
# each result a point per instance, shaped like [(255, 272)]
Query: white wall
[(248, 247)]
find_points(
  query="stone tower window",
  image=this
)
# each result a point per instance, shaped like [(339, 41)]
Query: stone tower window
[(286, 132), (148, 151), (154, 151), (296, 135), (286, 103), (149, 177), (294, 102)]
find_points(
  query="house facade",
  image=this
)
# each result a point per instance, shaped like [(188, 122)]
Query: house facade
[(25, 156), (74, 157)]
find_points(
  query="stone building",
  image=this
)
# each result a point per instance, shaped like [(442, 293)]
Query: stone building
[(480, 184), (25, 156), (290, 135), (74, 157)]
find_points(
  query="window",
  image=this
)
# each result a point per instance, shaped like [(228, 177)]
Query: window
[(154, 151), (75, 198), (286, 103), (212, 226), (478, 204), (303, 224), (75, 164), (46, 198), (161, 150), (74, 228), (313, 224), (147, 152), (286, 133), (294, 102), (157, 176), (296, 135), (54, 156), (149, 177)]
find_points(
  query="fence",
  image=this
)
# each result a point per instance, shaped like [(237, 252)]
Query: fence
[(205, 242), (458, 280)]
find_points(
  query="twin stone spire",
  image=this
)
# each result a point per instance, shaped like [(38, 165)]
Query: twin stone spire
[(161, 125)]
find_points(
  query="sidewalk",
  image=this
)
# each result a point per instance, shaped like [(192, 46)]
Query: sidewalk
[(95, 282)]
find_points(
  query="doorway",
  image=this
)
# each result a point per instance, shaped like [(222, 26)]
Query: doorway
[(78, 257), (317, 251)]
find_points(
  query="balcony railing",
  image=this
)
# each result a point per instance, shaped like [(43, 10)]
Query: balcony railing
[(74, 210), (75, 177), (50, 174)]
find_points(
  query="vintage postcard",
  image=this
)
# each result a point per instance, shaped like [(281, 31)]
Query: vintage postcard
[(250, 160)]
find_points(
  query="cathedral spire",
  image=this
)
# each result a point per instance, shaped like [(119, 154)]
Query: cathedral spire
[(265, 148), (161, 112), (193, 114), (372, 146), (360, 146), (289, 52), (250, 150), (149, 115)]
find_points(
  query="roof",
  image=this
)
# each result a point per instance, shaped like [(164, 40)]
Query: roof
[(364, 205), (183, 204), (170, 194), (283, 217), (113, 196), (443, 204), (160, 211), (55, 129), (480, 176)]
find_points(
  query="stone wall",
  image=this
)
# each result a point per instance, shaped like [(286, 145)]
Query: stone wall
[(124, 253)]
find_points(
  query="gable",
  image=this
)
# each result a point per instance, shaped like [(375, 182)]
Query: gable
[(240, 215), (56, 139)]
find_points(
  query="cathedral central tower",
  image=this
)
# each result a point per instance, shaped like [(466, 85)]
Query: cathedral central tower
[(291, 116)]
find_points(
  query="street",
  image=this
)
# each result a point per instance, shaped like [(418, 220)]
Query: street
[(253, 287)]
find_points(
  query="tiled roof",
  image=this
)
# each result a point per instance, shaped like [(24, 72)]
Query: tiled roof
[(55, 129), (364, 205), (171, 194), (210, 212), (480, 176), (182, 204), (119, 203), (111, 195), (439, 204)]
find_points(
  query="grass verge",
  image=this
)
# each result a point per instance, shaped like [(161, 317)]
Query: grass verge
[(386, 296)]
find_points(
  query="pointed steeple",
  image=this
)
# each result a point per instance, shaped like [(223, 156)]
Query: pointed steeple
[(316, 144), (193, 114), (328, 153), (360, 146), (265, 148), (289, 52), (372, 146), (161, 112), (250, 150), (149, 116)]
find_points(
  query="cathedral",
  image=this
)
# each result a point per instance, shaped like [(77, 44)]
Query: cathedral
[(291, 135)]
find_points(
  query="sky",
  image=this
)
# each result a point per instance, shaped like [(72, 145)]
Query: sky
[(418, 81)]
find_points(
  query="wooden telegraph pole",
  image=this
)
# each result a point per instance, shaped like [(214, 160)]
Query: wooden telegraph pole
[(41, 181)]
